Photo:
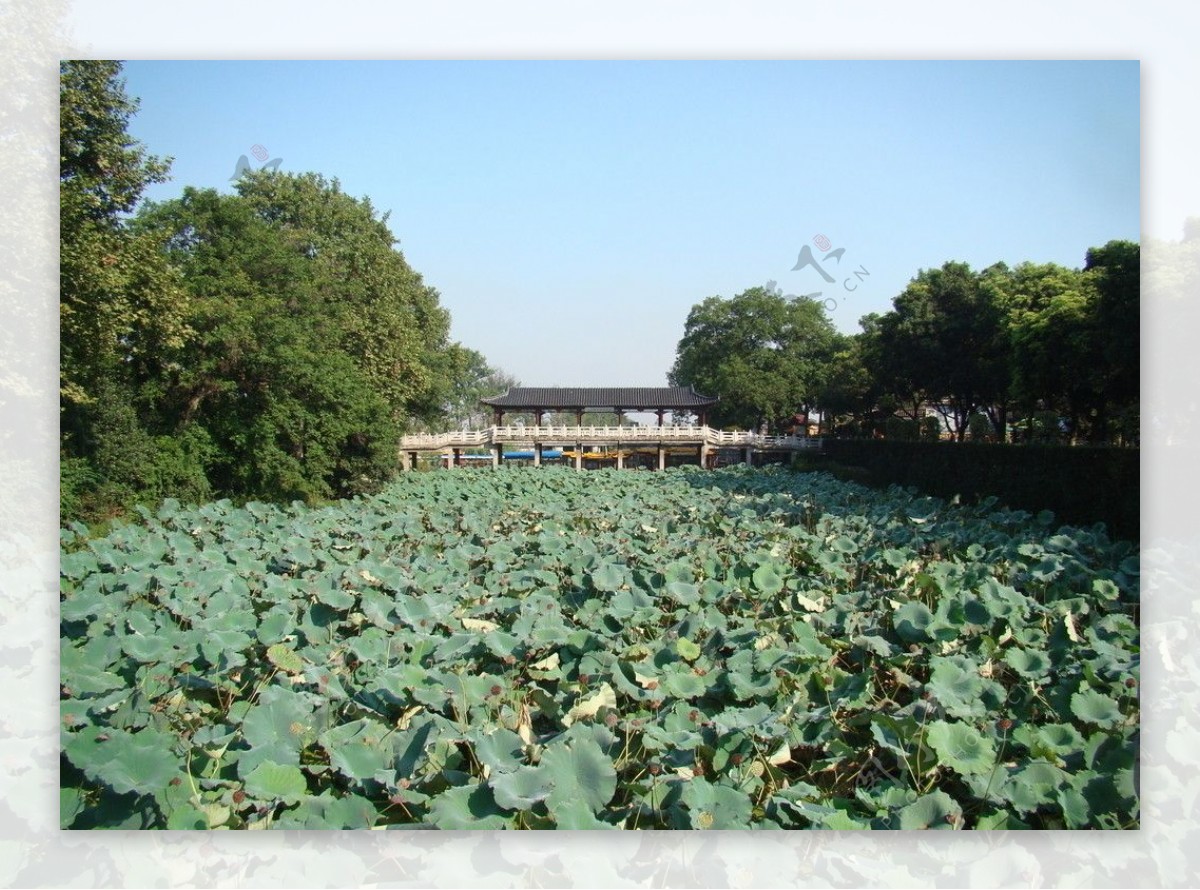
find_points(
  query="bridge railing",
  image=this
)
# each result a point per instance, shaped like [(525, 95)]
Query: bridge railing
[(598, 433), (420, 441), (604, 434)]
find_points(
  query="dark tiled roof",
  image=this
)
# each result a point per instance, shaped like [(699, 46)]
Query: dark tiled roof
[(626, 398)]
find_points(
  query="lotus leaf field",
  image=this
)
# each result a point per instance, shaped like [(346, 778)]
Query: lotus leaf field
[(543, 648)]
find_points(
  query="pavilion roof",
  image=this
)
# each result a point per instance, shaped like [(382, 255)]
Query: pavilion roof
[(613, 398)]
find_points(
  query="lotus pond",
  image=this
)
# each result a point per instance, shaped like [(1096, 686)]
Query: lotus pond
[(544, 648)]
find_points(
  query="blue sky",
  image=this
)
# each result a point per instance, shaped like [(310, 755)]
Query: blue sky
[(571, 213)]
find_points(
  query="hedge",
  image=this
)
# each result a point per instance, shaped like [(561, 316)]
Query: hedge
[(1080, 485)]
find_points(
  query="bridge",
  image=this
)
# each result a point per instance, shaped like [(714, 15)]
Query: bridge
[(703, 438)]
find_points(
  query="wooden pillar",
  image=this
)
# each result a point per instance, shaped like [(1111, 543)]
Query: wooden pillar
[(620, 417), (660, 412), (662, 456), (537, 417), (579, 417)]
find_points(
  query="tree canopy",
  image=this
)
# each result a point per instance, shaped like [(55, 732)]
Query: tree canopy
[(1006, 344), (118, 298), (765, 355), (1033, 350), (269, 344)]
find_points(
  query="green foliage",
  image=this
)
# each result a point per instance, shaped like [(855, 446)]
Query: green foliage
[(902, 428), (944, 339), (979, 429), (848, 392), (1079, 485), (376, 308), (122, 307), (1003, 343), (119, 302), (126, 464), (765, 356), (1114, 271), (271, 344), (290, 412), (471, 379), (552, 649)]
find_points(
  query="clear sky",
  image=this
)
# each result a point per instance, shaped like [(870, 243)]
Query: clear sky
[(571, 213)]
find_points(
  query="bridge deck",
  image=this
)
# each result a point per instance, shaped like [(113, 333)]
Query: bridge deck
[(605, 435)]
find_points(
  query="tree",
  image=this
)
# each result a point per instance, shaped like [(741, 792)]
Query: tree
[(1074, 337), (1114, 271), (121, 306), (764, 355), (471, 378), (944, 341), (291, 413), (1046, 322), (384, 315), (270, 344), (848, 389), (118, 300), (892, 371)]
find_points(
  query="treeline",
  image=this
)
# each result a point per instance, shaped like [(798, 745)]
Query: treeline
[(1036, 352), (270, 344)]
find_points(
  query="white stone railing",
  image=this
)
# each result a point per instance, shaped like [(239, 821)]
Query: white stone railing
[(422, 441), (597, 435)]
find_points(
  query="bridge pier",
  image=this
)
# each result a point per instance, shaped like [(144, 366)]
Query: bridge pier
[(537, 454), (497, 454), (662, 456)]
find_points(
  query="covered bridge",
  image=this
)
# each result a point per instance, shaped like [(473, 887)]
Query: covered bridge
[(619, 400), (540, 399)]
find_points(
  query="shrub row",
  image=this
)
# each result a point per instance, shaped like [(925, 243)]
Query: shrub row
[(1080, 485)]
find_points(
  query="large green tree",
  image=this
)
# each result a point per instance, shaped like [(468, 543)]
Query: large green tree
[(1049, 340), (848, 393), (894, 372), (268, 344), (268, 378), (1037, 338), (119, 302), (945, 341), (384, 315), (1114, 272), (766, 356), (1074, 336), (121, 306)]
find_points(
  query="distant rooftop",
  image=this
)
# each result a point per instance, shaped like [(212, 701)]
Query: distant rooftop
[(612, 398)]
